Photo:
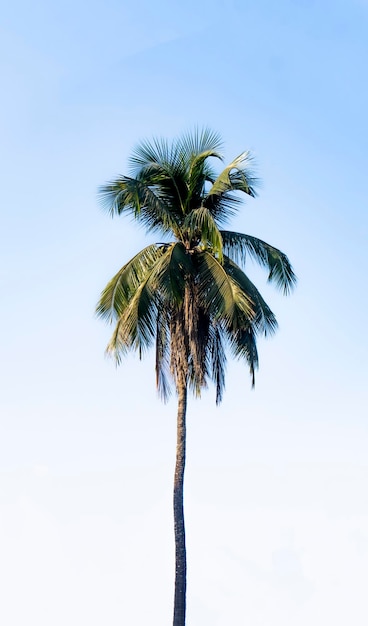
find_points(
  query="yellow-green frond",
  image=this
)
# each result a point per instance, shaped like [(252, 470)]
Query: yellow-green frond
[(200, 226)]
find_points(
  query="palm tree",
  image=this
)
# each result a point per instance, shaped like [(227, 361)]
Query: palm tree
[(188, 295)]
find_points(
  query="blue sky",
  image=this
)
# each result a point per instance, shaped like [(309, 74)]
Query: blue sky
[(277, 513)]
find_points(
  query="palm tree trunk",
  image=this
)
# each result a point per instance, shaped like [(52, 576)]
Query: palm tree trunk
[(179, 528)]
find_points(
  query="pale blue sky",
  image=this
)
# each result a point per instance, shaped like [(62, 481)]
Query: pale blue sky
[(277, 478)]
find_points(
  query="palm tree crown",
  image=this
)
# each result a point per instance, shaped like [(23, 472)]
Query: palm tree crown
[(189, 295)]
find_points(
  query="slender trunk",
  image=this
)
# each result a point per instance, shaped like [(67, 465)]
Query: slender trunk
[(180, 551)]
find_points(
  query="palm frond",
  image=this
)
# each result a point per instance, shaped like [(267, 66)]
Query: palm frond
[(162, 165), (238, 246), (148, 205), (244, 346), (199, 168), (217, 359), (200, 172), (199, 141), (117, 293), (163, 352), (222, 207), (222, 199), (199, 225), (217, 291), (169, 275), (263, 321), (237, 176), (135, 328), (155, 151)]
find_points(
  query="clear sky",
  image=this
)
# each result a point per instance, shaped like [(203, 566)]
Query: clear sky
[(277, 478)]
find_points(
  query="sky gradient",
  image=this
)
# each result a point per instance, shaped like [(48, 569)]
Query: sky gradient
[(276, 485)]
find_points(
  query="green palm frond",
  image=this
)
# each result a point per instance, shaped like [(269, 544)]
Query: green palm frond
[(238, 246), (200, 172), (168, 183), (157, 151), (263, 321), (199, 225), (222, 207), (217, 292), (163, 352), (244, 179), (244, 346), (237, 176), (146, 203), (117, 293), (200, 169), (136, 327), (162, 165), (199, 141), (217, 359), (169, 275)]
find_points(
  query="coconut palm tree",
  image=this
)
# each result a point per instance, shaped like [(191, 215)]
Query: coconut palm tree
[(187, 295)]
